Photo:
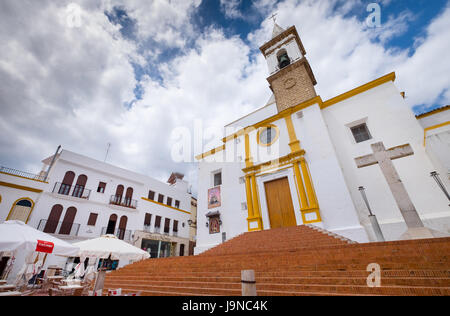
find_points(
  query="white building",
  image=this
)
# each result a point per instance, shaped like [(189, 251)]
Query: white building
[(82, 198), (292, 162)]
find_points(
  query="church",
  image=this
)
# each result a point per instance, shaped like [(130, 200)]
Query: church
[(360, 165)]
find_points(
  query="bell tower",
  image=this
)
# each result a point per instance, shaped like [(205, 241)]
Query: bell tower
[(291, 78)]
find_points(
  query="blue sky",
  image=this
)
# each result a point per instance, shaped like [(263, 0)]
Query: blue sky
[(130, 72), (211, 14)]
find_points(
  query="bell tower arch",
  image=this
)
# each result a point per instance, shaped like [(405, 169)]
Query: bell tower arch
[(291, 78)]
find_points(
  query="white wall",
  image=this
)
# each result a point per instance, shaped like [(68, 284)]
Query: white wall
[(391, 121)]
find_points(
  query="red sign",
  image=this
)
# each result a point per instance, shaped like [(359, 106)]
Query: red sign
[(45, 246)]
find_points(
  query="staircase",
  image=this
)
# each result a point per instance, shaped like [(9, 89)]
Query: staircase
[(295, 261)]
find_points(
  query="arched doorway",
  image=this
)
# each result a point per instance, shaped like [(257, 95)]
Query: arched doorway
[(122, 227), (79, 187), (64, 189), (69, 218), (110, 230), (21, 210), (53, 219)]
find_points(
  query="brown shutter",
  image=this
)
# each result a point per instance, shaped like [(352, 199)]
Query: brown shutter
[(167, 226), (158, 221), (53, 219), (169, 201), (92, 219), (175, 226), (66, 226), (161, 198), (151, 195), (148, 219)]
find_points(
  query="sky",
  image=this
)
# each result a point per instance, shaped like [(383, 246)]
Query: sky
[(84, 74)]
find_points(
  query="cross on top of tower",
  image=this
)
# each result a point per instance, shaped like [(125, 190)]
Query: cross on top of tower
[(274, 17)]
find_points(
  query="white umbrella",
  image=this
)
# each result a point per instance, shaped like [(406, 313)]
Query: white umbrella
[(110, 245), (17, 236)]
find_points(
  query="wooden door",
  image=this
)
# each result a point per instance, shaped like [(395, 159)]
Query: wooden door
[(69, 218), (279, 203)]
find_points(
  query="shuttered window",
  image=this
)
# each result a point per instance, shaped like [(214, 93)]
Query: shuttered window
[(158, 221), (92, 219), (169, 201), (177, 204), (148, 219), (167, 226), (151, 195), (175, 226), (161, 198), (101, 187)]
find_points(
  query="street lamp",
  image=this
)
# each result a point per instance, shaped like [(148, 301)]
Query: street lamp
[(435, 175)]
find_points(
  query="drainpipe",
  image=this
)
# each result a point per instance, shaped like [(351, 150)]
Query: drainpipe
[(51, 164)]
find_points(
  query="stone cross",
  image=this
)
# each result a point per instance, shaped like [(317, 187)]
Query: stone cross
[(384, 158)]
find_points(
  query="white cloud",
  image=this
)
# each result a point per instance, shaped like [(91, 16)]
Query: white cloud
[(68, 86)]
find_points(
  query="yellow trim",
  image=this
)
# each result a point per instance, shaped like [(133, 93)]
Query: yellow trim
[(19, 187), (248, 154), (294, 143), (173, 208), (275, 139), (300, 187), (445, 108), (211, 152), (359, 90), (13, 175), (432, 128), (248, 191), (14, 204), (309, 211), (310, 192), (276, 163), (254, 215)]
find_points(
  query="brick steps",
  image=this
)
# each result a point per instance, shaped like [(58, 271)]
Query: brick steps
[(295, 261)]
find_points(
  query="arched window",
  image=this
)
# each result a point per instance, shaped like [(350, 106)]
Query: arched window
[(21, 210), (67, 224), (53, 219), (79, 187), (110, 230), (67, 182), (283, 59), (122, 227), (119, 194), (129, 196)]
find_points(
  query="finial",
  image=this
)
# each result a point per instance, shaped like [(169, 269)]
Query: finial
[(274, 17)]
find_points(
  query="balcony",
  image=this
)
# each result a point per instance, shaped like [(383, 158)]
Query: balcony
[(122, 234), (75, 191), (125, 202), (22, 174), (59, 228)]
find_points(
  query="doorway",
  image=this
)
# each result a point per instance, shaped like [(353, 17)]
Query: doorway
[(279, 203)]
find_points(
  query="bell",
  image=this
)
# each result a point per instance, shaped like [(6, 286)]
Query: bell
[(284, 61)]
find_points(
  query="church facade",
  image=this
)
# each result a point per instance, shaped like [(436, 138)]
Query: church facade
[(294, 161)]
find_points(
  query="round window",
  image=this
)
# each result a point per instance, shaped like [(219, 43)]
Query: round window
[(268, 135)]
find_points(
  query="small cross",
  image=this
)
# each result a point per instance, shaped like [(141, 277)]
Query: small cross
[(273, 17)]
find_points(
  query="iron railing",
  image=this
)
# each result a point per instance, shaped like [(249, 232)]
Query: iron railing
[(77, 191), (22, 174), (122, 234), (125, 202), (59, 228)]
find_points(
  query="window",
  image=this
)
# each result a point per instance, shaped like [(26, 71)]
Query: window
[(181, 250), (268, 135), (218, 179), (175, 226), (167, 226), (92, 219), (169, 201), (148, 219), (177, 204), (161, 198), (151, 195), (101, 187), (361, 133), (21, 211), (158, 221)]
